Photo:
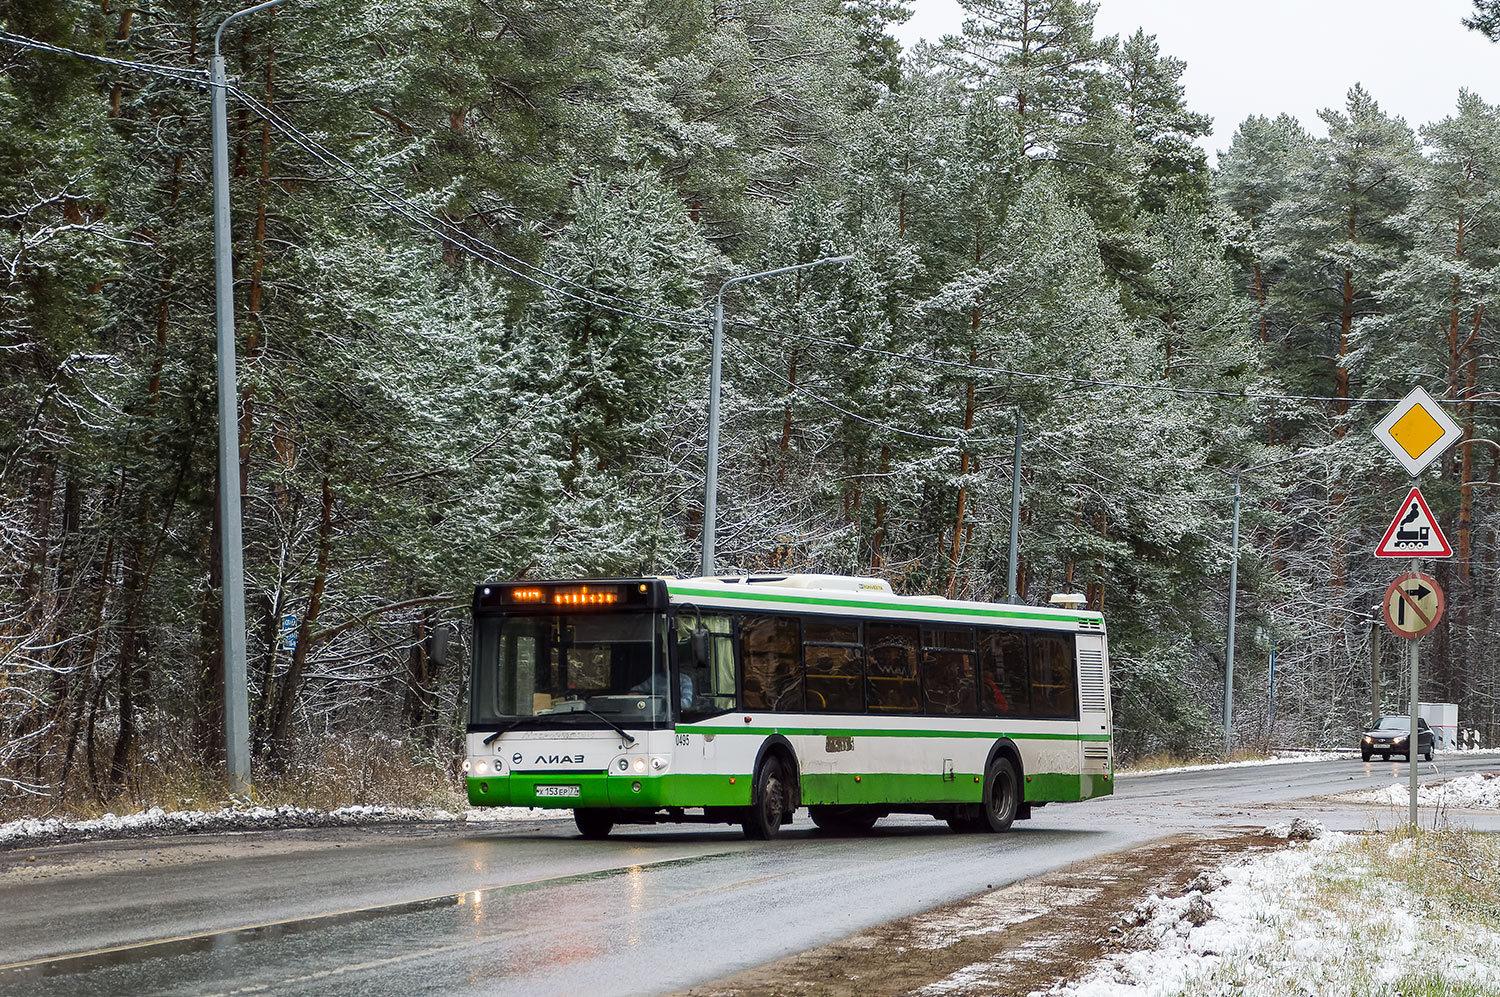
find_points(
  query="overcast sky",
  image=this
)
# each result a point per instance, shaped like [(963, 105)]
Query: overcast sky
[(1297, 56)]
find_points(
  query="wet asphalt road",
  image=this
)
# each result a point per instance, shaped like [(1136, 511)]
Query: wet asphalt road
[(531, 909)]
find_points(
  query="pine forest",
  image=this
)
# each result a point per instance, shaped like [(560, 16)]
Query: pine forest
[(476, 247)]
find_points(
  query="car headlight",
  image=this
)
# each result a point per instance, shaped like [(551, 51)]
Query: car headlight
[(1369, 739)]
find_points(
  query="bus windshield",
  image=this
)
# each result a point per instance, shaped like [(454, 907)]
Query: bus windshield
[(570, 667)]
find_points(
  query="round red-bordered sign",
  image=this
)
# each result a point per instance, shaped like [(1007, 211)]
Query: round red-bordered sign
[(1413, 605)]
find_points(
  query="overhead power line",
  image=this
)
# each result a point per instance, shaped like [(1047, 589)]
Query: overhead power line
[(1254, 396), (450, 233), (197, 76), (745, 354)]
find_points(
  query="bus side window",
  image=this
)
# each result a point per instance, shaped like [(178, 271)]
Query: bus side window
[(834, 660), (771, 646), (1054, 683), (891, 657), (1004, 684), (948, 670), (710, 682)]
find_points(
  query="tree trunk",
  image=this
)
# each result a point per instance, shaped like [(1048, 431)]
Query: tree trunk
[(290, 685)]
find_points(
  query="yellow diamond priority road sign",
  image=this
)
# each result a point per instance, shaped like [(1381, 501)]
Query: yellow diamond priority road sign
[(1417, 431)]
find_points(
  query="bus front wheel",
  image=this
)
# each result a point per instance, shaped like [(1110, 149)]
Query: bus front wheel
[(767, 809)]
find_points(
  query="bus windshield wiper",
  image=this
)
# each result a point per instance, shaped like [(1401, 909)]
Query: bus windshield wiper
[(629, 738), (501, 730)]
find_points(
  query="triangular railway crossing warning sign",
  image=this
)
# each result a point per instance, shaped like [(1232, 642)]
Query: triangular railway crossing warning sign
[(1414, 532)]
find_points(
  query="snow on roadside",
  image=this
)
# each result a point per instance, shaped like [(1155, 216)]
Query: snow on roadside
[(1259, 928), (1286, 759), (1471, 792), (157, 821)]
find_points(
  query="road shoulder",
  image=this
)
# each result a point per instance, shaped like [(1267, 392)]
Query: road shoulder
[(1011, 941)]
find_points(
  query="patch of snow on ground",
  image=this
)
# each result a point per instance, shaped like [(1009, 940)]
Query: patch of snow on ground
[(1286, 759), (991, 913), (158, 821), (1262, 934), (503, 815), (1472, 792)]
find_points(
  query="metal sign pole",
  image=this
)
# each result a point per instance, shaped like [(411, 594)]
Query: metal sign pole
[(1412, 743)]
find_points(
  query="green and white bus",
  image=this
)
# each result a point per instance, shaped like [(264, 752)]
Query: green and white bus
[(739, 699)]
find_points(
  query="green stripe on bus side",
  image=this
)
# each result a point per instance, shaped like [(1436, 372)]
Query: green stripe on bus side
[(751, 596), (871, 732)]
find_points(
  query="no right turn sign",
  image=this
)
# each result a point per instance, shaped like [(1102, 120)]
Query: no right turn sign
[(1413, 605)]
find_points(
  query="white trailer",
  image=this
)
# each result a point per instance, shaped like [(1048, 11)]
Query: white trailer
[(1443, 719)]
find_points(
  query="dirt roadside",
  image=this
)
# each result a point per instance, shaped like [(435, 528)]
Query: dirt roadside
[(1006, 943)]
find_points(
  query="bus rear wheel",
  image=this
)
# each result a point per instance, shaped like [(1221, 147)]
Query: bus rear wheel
[(1002, 796), (594, 824), (768, 801), (1001, 803)]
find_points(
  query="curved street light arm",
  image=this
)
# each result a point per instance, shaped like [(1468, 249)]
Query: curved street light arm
[(711, 468), (240, 13)]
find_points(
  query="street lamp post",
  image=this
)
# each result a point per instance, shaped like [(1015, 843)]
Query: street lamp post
[(1234, 584), (711, 486), (231, 542), (1234, 572)]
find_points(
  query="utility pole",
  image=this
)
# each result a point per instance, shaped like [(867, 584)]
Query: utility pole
[(711, 472), (1013, 559), (231, 541)]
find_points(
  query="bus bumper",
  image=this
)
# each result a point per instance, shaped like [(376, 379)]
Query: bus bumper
[(600, 790)]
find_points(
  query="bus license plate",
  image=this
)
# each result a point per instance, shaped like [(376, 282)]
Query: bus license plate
[(557, 791)]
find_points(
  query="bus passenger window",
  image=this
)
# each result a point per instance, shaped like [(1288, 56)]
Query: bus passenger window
[(834, 660), (891, 657), (948, 670), (1054, 685), (771, 648), (1004, 683), (707, 686)]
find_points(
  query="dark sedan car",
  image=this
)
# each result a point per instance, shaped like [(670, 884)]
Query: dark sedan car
[(1388, 736)]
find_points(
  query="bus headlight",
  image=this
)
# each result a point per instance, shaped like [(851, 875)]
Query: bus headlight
[(466, 765), (481, 767), (623, 765), (657, 764), (639, 764)]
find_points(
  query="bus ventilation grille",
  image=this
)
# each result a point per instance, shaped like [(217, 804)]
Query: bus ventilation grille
[(1091, 624), (1099, 751), (1091, 682)]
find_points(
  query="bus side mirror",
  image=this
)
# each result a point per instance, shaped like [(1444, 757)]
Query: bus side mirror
[(699, 641)]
